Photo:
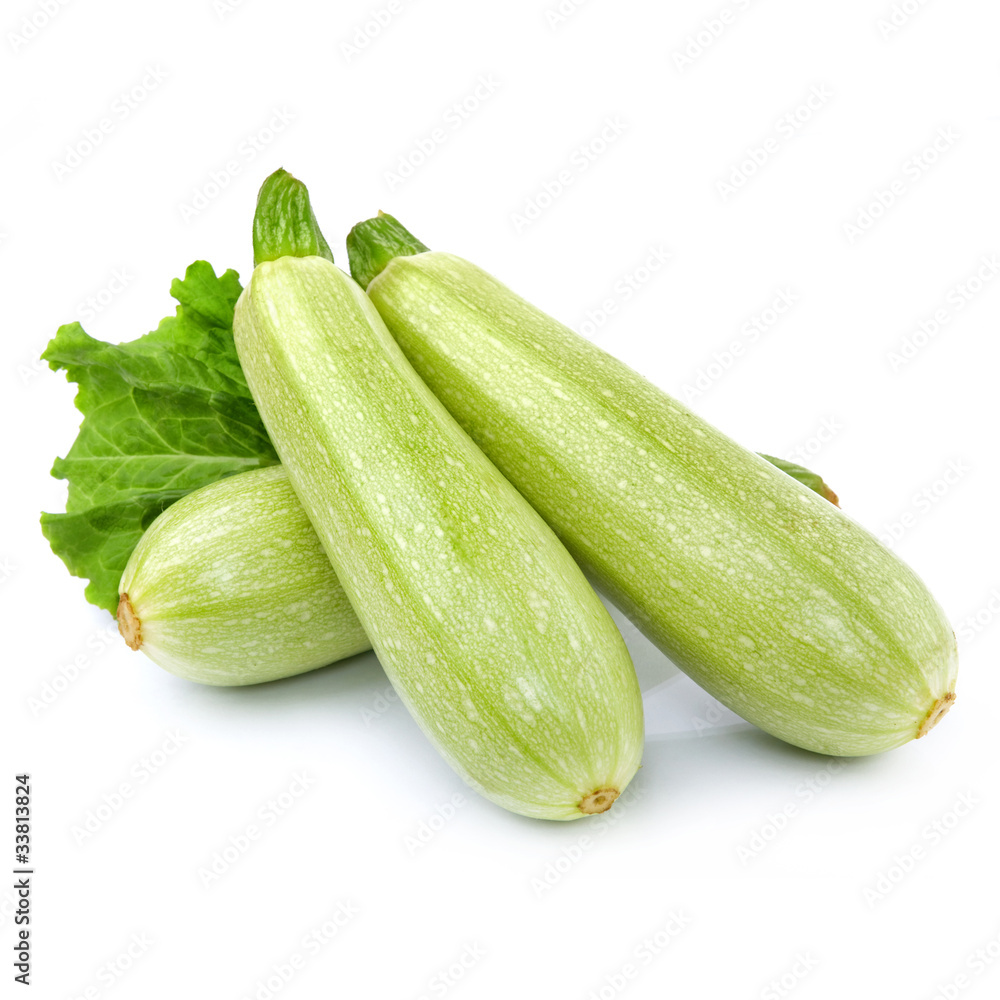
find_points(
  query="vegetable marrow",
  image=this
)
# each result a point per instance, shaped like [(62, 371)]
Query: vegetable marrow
[(230, 585), (774, 601), (486, 627)]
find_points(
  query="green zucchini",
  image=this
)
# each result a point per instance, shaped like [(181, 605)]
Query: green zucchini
[(230, 585), (485, 626), (773, 600)]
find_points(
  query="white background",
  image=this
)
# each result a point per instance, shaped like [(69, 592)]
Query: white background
[(765, 912)]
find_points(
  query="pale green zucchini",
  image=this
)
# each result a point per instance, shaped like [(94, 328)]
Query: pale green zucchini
[(773, 600), (230, 585), (486, 627)]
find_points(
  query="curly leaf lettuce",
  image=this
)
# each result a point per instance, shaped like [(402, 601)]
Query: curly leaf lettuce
[(162, 416)]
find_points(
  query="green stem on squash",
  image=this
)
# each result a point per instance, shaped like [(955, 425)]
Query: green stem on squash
[(284, 224), (373, 243)]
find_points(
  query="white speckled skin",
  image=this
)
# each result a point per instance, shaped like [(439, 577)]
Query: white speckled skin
[(766, 594), (232, 586), (486, 627)]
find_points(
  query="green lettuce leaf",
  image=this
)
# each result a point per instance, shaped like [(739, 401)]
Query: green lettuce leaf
[(162, 415), (811, 479)]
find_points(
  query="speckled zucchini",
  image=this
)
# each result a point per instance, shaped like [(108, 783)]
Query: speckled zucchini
[(230, 585), (773, 600), (485, 626)]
